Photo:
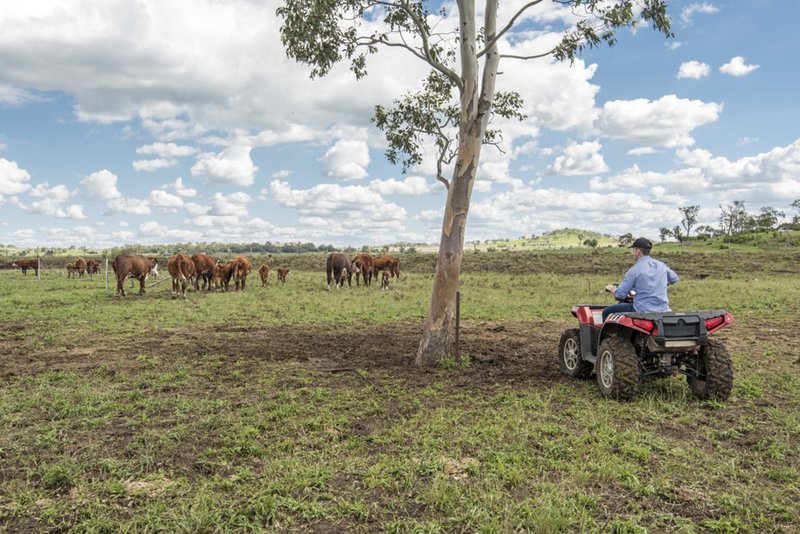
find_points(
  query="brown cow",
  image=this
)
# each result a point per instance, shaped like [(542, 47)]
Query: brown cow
[(92, 267), (27, 264), (203, 268), (181, 268), (387, 263), (384, 280), (264, 272), (241, 268), (339, 267), (135, 266), (222, 275), (70, 270), (80, 266), (365, 264), (282, 272)]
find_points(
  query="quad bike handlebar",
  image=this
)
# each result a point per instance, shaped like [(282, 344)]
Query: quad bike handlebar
[(628, 298)]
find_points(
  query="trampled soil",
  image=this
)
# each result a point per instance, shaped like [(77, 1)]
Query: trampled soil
[(523, 353), (499, 352)]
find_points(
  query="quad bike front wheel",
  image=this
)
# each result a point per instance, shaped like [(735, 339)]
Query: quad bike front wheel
[(617, 369), (712, 377), (569, 355)]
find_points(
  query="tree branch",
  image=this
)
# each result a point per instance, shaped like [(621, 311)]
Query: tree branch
[(426, 50), (508, 26)]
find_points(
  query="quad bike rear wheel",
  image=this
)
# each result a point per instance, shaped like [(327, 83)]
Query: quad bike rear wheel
[(712, 378), (617, 365), (569, 355)]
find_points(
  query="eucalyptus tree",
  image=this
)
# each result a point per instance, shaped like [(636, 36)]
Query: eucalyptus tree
[(457, 99)]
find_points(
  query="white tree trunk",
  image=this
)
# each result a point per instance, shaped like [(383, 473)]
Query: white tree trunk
[(438, 332)]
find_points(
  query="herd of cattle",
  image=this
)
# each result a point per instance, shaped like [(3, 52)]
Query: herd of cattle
[(206, 272)]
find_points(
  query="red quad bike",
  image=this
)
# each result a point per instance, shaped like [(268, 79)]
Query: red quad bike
[(632, 346)]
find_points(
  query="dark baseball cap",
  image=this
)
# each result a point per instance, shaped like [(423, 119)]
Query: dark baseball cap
[(642, 242)]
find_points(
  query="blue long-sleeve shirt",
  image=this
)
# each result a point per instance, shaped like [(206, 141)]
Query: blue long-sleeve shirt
[(649, 278)]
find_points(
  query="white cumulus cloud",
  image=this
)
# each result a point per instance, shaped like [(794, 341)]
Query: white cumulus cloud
[(232, 166), (151, 165), (693, 69), (737, 67), (689, 11), (13, 179), (666, 122), (413, 185), (346, 160), (101, 185), (578, 159)]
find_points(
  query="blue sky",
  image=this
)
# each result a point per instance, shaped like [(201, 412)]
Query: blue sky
[(157, 121)]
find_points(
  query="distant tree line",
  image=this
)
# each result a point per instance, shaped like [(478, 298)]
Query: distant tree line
[(734, 220)]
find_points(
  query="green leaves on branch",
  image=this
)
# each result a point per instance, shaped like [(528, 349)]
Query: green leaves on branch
[(601, 20), (434, 112)]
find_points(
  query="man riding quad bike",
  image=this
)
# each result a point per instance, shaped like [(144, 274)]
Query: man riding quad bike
[(641, 337)]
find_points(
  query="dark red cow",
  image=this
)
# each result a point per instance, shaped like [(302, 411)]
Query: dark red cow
[(222, 275), (27, 264), (80, 266), (134, 266), (203, 268), (282, 272), (365, 265), (263, 271)]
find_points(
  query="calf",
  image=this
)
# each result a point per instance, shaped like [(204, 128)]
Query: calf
[(135, 266), (339, 267), (241, 268), (282, 272), (384, 280), (264, 272), (70, 270), (181, 269), (27, 264)]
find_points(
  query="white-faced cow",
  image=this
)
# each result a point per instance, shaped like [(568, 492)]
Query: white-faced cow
[(203, 269), (365, 265), (134, 266), (339, 267), (263, 271), (222, 275), (27, 264), (241, 268), (181, 269)]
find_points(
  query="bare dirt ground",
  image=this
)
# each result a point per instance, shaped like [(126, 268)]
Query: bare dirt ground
[(500, 352)]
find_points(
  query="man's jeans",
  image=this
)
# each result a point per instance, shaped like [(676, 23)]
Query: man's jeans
[(622, 307)]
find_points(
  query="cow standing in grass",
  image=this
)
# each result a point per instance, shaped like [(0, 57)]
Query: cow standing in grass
[(134, 266), (339, 267), (80, 266), (181, 269), (27, 264), (222, 275), (203, 269), (365, 265), (387, 263), (282, 273), (263, 271), (70, 270), (92, 267), (241, 268)]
